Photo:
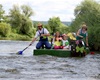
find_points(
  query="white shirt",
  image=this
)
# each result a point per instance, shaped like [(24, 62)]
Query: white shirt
[(64, 42), (41, 31)]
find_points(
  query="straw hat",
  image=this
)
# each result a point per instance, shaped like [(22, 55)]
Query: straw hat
[(39, 24)]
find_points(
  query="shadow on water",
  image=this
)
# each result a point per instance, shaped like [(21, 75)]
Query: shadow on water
[(29, 67)]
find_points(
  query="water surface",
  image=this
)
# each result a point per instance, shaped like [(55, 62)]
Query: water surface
[(45, 67)]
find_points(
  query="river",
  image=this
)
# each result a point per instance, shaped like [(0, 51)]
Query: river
[(44, 67)]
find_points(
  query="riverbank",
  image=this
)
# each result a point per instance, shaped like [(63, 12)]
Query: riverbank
[(16, 37)]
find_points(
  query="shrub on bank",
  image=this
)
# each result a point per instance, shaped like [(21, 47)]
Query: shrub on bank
[(15, 36), (5, 29)]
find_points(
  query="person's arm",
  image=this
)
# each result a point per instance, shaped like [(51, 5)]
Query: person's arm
[(78, 34), (87, 41), (34, 39)]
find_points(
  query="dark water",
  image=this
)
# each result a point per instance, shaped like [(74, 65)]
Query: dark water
[(29, 67)]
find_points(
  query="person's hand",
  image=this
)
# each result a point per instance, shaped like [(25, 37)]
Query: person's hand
[(60, 38), (81, 37), (42, 35), (87, 45)]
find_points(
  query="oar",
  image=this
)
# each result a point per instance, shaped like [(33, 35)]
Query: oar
[(21, 52)]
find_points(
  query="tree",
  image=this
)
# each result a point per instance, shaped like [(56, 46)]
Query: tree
[(89, 12), (27, 10), (2, 12), (20, 19), (5, 29), (54, 23)]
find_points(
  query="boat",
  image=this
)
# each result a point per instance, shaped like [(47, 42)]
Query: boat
[(76, 50), (58, 52)]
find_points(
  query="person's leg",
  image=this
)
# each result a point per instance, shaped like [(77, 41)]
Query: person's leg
[(56, 47), (39, 45), (47, 45), (61, 47)]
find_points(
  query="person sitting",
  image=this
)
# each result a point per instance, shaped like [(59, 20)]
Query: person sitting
[(65, 42), (57, 41)]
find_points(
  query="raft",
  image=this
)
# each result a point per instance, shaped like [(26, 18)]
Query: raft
[(56, 52)]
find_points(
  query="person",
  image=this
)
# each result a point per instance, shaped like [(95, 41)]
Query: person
[(65, 42), (43, 33), (57, 41), (82, 34)]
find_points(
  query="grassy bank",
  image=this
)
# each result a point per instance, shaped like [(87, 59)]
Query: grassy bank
[(14, 36)]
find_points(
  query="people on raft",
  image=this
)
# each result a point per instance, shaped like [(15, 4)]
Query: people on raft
[(65, 42), (82, 35), (57, 44), (43, 34)]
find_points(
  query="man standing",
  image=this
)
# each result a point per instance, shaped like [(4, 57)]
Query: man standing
[(43, 33)]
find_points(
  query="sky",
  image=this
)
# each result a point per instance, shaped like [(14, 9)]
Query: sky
[(45, 9)]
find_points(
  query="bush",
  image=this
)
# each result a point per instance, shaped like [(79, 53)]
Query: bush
[(5, 29), (15, 36)]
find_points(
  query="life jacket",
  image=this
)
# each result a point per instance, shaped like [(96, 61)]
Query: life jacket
[(42, 38)]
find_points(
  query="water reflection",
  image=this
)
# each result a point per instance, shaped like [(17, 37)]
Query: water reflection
[(29, 67)]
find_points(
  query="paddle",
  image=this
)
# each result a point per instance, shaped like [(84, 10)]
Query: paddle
[(21, 52)]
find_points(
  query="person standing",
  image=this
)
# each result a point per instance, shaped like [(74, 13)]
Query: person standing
[(82, 34), (43, 34)]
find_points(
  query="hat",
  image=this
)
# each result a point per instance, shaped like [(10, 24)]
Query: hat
[(39, 24), (64, 35)]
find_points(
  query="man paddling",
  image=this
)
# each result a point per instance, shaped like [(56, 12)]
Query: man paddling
[(43, 33)]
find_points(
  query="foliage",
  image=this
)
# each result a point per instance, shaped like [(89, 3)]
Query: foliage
[(15, 36), (20, 19), (63, 29), (5, 29), (26, 27), (2, 12), (27, 11), (54, 23), (89, 12)]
